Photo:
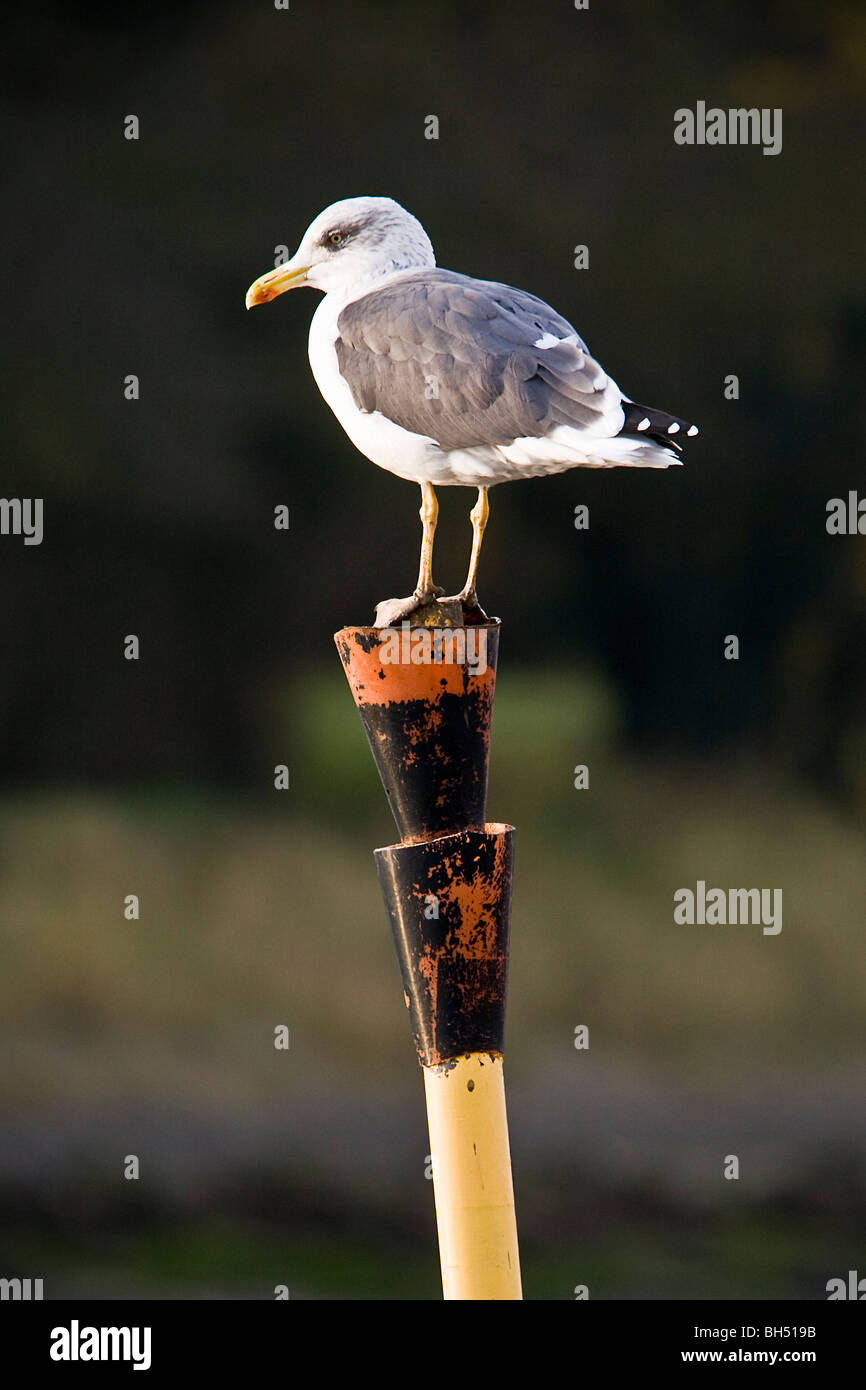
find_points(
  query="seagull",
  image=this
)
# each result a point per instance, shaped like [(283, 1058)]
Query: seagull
[(449, 381)]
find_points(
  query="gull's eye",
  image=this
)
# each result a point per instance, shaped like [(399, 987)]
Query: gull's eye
[(336, 238)]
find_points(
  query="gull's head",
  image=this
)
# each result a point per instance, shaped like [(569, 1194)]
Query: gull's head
[(350, 245)]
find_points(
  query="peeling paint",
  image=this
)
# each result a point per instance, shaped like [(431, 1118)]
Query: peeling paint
[(428, 727), (455, 966)]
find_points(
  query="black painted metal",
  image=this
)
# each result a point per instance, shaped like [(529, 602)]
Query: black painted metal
[(432, 753), (448, 901)]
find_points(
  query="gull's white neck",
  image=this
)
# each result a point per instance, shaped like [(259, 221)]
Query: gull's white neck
[(339, 295)]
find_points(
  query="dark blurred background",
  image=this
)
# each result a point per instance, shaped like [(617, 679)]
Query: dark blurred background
[(155, 777)]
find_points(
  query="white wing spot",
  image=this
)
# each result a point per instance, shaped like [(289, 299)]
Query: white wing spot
[(693, 429), (672, 429), (645, 423)]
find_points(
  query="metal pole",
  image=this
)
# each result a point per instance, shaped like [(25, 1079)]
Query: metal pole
[(425, 697)]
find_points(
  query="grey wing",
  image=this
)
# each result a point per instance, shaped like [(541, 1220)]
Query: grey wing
[(471, 362)]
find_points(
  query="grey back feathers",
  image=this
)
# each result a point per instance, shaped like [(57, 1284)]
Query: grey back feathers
[(458, 360)]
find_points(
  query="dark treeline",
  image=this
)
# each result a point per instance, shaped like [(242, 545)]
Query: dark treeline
[(556, 130)]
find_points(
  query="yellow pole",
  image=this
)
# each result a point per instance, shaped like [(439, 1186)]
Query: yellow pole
[(472, 1178)]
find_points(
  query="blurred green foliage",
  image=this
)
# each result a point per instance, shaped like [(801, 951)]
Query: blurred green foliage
[(306, 1167)]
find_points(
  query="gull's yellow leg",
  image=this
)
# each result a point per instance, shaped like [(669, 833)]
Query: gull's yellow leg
[(478, 516), (394, 610), (429, 515)]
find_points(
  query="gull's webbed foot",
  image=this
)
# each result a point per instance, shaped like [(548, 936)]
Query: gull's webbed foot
[(395, 610), (469, 607)]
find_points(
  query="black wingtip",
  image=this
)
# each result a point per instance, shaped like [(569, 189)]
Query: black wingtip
[(643, 421)]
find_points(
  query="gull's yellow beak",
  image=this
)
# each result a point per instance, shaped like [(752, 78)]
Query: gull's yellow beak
[(267, 287)]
